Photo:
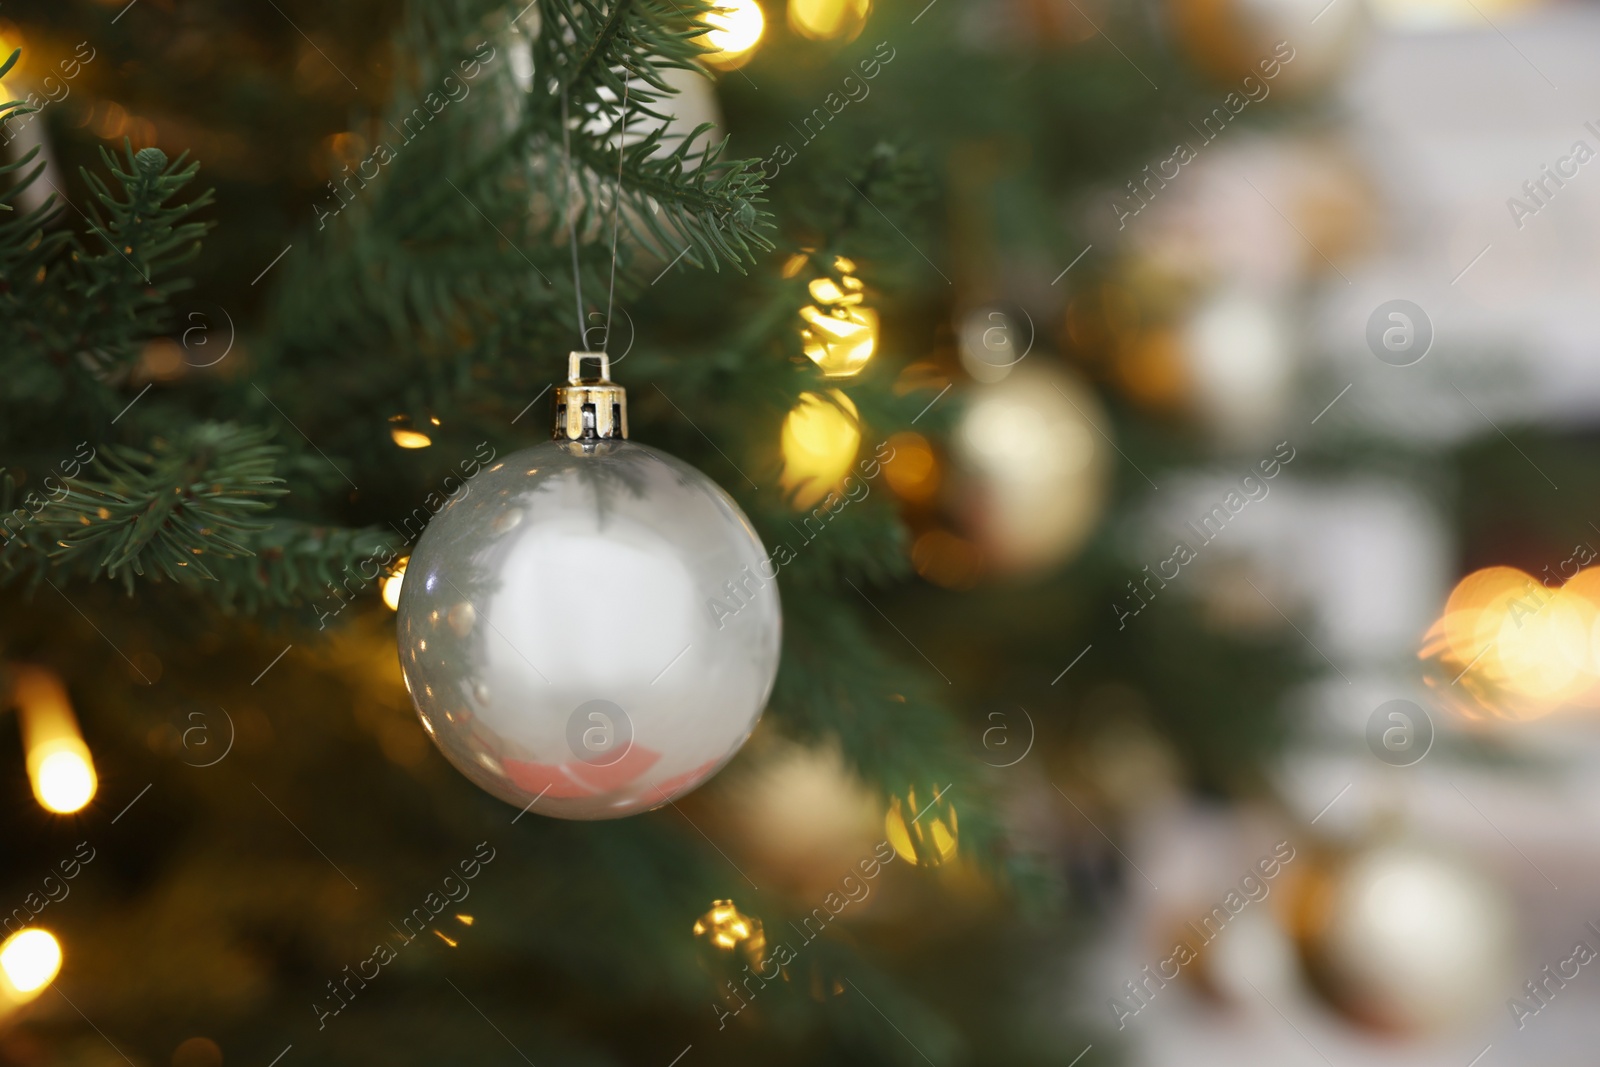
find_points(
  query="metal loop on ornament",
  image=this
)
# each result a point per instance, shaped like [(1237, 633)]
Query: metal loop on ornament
[(590, 409)]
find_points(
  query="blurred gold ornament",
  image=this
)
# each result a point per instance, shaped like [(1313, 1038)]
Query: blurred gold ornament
[(840, 335), (1030, 467), (1404, 939), (820, 439), (391, 585), (29, 961), (1267, 41), (828, 20), (802, 816), (729, 929), (736, 27), (59, 764), (922, 833)]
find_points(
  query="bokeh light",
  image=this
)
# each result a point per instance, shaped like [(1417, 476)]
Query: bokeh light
[(29, 961), (828, 20), (736, 27), (820, 439), (65, 781), (390, 586)]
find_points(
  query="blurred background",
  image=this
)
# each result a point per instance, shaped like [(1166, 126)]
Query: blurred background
[(1212, 673)]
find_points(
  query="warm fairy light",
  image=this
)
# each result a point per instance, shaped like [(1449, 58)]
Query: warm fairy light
[(29, 961), (726, 927), (391, 585), (1513, 647), (465, 920), (736, 26), (447, 940), (827, 20), (840, 335), (59, 765), (409, 438), (922, 831), (65, 781), (820, 439)]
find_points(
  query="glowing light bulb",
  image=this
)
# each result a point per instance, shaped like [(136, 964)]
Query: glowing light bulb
[(59, 766), (29, 961), (391, 586), (66, 781), (840, 335), (819, 442), (736, 26), (409, 438), (827, 20), (841, 341)]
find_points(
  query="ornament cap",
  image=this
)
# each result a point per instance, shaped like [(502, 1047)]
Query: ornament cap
[(590, 409)]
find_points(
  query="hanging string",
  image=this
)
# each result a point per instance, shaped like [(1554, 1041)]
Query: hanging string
[(572, 223), (616, 203)]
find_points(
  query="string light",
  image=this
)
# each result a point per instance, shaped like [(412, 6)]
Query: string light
[(819, 441), (736, 27), (59, 765), (1509, 646), (927, 835), (391, 585), (29, 960), (409, 438), (726, 927), (840, 335)]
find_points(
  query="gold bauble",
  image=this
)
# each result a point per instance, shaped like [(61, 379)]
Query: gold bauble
[(1401, 938), (1273, 42), (802, 817), (1031, 467)]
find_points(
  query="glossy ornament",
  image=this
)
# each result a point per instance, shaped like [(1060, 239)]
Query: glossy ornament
[(1405, 939), (591, 629)]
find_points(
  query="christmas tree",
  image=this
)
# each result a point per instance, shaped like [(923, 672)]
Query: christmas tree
[(275, 281)]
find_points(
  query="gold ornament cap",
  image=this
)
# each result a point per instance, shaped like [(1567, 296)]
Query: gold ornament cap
[(590, 409)]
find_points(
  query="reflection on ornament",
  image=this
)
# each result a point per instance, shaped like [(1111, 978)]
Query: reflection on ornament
[(1406, 940), (29, 961), (828, 20), (1510, 647), (922, 832), (392, 585), (840, 335), (1030, 467), (596, 670), (820, 439), (736, 26), (729, 929), (59, 765), (913, 470)]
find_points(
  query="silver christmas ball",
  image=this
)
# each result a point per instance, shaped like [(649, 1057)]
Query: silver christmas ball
[(591, 628)]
